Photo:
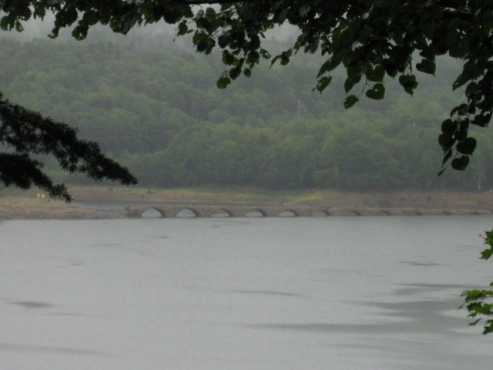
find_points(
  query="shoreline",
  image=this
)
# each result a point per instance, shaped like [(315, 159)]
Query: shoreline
[(131, 202)]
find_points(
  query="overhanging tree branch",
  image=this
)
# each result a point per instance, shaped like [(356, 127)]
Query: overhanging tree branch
[(29, 133)]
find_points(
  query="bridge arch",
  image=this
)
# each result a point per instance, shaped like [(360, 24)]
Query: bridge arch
[(320, 213), (256, 212), (152, 212), (221, 213), (288, 213), (187, 213)]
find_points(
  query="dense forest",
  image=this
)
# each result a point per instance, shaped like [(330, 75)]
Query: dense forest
[(153, 104)]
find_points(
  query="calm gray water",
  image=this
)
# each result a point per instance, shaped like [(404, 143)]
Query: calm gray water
[(297, 293)]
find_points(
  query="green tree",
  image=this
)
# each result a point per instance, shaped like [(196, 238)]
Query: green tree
[(370, 39)]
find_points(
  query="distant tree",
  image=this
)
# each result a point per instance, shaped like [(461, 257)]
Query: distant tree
[(370, 39)]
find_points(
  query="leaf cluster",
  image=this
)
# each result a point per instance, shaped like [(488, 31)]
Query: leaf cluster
[(479, 302)]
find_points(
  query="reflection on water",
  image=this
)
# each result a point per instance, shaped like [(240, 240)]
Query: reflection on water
[(287, 214), (268, 292), (254, 213), (220, 213), (421, 288), (223, 293), (26, 350), (33, 304), (186, 213), (151, 213)]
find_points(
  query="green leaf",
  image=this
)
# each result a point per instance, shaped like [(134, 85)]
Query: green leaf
[(182, 28), (377, 92), (304, 9), (264, 54), (322, 83), (460, 163), (470, 71), (224, 40), (350, 82), (461, 80), (428, 53), (427, 66), (223, 82), (488, 240), (283, 15), (461, 110), (325, 67), (409, 83), (228, 58), (474, 322), (486, 254), (461, 135), (482, 119), (235, 72), (91, 17), (210, 12), (460, 49), (285, 57), (253, 58), (390, 67), (449, 126), (350, 101), (376, 74), (353, 72), (201, 41), (471, 89), (451, 36), (312, 47), (446, 141), (467, 146)]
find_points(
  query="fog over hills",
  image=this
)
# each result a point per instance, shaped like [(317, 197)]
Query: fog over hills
[(153, 104)]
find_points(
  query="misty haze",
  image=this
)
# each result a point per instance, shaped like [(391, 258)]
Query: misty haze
[(271, 228)]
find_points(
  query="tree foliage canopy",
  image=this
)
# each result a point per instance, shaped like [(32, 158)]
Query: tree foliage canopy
[(371, 39)]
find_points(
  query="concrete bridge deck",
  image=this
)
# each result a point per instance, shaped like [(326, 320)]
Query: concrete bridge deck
[(172, 210)]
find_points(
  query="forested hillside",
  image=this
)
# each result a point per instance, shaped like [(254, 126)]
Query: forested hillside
[(153, 104)]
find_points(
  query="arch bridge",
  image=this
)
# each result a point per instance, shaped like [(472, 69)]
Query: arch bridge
[(218, 210)]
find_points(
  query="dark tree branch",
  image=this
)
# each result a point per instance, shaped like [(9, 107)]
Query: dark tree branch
[(28, 133)]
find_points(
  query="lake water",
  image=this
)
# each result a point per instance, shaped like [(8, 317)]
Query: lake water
[(278, 293)]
